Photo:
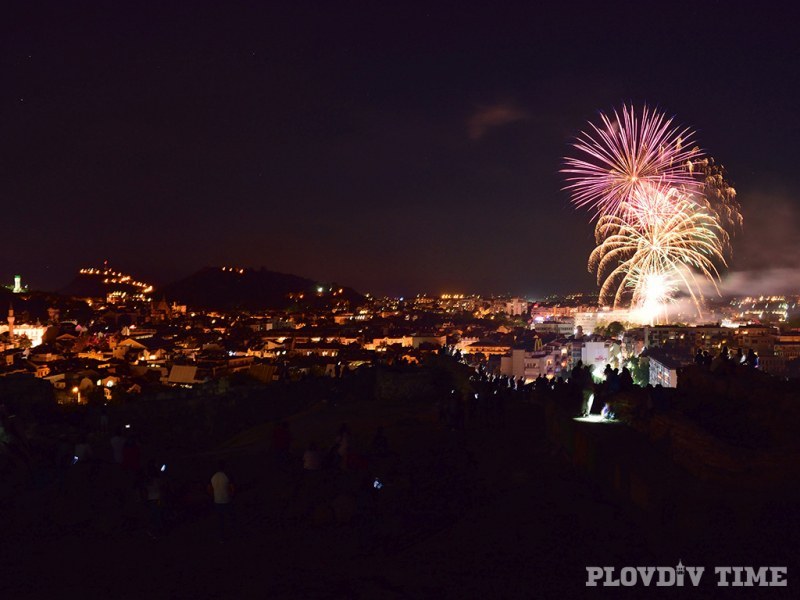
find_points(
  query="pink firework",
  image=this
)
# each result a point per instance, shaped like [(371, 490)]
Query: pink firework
[(626, 154)]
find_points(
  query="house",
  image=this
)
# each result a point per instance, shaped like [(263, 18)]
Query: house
[(488, 347), (664, 368), (39, 370), (183, 375), (534, 360), (57, 379), (263, 372), (45, 354), (433, 340), (267, 349)]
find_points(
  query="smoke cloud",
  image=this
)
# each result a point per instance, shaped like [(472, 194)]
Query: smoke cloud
[(777, 281), (497, 115), (766, 256)]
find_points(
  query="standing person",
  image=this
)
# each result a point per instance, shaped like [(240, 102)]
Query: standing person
[(222, 490), (104, 420), (83, 451), (698, 358), (739, 357), (342, 445), (153, 495), (472, 412), (117, 445)]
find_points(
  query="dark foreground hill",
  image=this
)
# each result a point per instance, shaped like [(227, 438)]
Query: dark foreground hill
[(252, 289)]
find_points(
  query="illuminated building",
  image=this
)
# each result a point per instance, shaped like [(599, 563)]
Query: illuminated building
[(17, 331), (10, 321), (707, 337), (566, 327), (764, 308), (487, 347), (760, 338), (664, 370), (17, 286), (597, 354), (516, 307), (529, 363)]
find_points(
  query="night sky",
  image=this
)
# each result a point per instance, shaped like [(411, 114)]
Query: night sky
[(393, 148)]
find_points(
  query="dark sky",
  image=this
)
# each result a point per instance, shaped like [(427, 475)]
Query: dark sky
[(385, 146)]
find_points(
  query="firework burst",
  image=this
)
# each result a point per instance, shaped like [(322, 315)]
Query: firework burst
[(646, 257), (664, 211), (627, 152)]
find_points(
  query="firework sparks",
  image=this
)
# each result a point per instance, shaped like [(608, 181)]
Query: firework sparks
[(648, 255), (627, 152), (719, 197), (664, 211)]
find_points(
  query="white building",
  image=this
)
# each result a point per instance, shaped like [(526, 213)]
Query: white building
[(530, 364), (596, 354), (663, 371), (562, 328), (516, 307)]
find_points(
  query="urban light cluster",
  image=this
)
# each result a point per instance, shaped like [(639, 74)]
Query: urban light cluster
[(763, 307), (508, 335)]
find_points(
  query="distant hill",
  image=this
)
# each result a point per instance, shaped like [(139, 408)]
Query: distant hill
[(252, 289), (85, 286), (99, 282)]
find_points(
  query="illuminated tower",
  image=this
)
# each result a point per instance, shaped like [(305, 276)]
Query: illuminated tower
[(10, 321), (17, 284)]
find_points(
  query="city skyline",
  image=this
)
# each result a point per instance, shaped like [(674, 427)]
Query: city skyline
[(334, 145)]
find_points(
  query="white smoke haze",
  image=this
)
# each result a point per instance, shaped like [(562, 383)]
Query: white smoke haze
[(765, 262), (766, 254), (768, 282), (684, 310)]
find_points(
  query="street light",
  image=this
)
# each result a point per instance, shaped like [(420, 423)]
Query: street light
[(77, 391)]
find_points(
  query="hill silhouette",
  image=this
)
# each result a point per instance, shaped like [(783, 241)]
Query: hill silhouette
[(252, 289), (99, 284)]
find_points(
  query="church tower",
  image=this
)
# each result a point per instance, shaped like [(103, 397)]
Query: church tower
[(10, 321)]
